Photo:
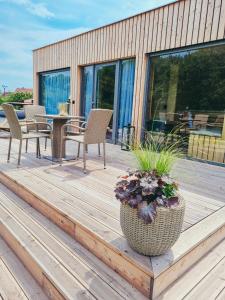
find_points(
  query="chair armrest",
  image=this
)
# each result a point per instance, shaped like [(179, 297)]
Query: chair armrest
[(71, 126), (42, 123), (214, 125)]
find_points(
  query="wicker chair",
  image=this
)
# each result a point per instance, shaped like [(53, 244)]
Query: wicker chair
[(30, 113), (93, 133), (17, 133)]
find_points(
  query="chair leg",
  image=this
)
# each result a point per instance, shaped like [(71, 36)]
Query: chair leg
[(26, 145), (46, 140), (104, 158), (84, 157), (61, 150), (9, 150), (99, 150), (78, 151), (51, 148), (86, 148), (39, 149), (19, 155)]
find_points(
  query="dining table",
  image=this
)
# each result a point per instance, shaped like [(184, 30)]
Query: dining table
[(57, 142)]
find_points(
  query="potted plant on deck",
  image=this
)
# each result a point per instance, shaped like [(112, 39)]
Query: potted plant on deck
[(151, 211)]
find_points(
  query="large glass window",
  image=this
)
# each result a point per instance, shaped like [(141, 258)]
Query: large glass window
[(187, 91), (54, 89)]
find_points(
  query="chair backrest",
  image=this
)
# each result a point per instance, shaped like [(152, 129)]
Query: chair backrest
[(219, 119), (30, 113), (12, 119), (200, 119), (97, 123)]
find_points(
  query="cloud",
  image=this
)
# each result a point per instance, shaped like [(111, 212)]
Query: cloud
[(37, 9), (16, 51)]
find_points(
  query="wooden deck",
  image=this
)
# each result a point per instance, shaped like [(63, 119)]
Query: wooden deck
[(84, 206)]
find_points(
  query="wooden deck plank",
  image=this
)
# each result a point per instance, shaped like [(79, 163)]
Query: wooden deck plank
[(9, 289), (36, 259), (211, 286), (14, 276), (192, 279)]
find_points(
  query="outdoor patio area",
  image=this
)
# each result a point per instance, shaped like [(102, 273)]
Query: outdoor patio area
[(84, 206)]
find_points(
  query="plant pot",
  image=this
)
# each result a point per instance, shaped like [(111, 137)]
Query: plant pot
[(155, 238)]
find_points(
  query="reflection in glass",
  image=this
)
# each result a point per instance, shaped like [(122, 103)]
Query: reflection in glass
[(105, 90), (187, 89), (54, 89)]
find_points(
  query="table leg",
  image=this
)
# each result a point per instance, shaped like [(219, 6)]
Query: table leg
[(57, 126)]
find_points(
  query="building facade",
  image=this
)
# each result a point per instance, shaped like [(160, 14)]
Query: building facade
[(156, 70)]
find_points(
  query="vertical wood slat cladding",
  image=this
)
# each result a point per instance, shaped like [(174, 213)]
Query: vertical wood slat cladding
[(179, 24)]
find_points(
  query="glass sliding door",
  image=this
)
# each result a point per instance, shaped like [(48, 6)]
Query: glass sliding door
[(54, 89), (110, 86), (105, 78)]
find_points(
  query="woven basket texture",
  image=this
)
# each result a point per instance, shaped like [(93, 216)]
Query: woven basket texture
[(155, 238)]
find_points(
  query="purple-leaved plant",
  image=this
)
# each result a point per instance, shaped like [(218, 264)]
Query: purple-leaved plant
[(145, 191)]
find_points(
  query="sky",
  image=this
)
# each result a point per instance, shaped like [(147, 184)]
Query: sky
[(29, 24)]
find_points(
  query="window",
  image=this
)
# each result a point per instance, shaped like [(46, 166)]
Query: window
[(187, 90), (54, 89)]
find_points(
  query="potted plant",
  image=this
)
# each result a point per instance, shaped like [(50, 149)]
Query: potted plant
[(151, 211)]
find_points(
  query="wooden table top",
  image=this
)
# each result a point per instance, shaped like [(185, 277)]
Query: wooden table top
[(58, 117)]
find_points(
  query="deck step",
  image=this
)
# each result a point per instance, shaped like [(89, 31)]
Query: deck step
[(15, 281), (63, 268), (205, 280)]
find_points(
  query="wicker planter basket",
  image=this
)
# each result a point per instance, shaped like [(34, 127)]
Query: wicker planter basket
[(155, 238)]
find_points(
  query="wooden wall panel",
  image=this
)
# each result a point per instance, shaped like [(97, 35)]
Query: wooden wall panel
[(174, 26), (209, 20), (222, 21), (191, 22), (185, 24), (164, 28), (169, 27), (179, 24), (159, 31)]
